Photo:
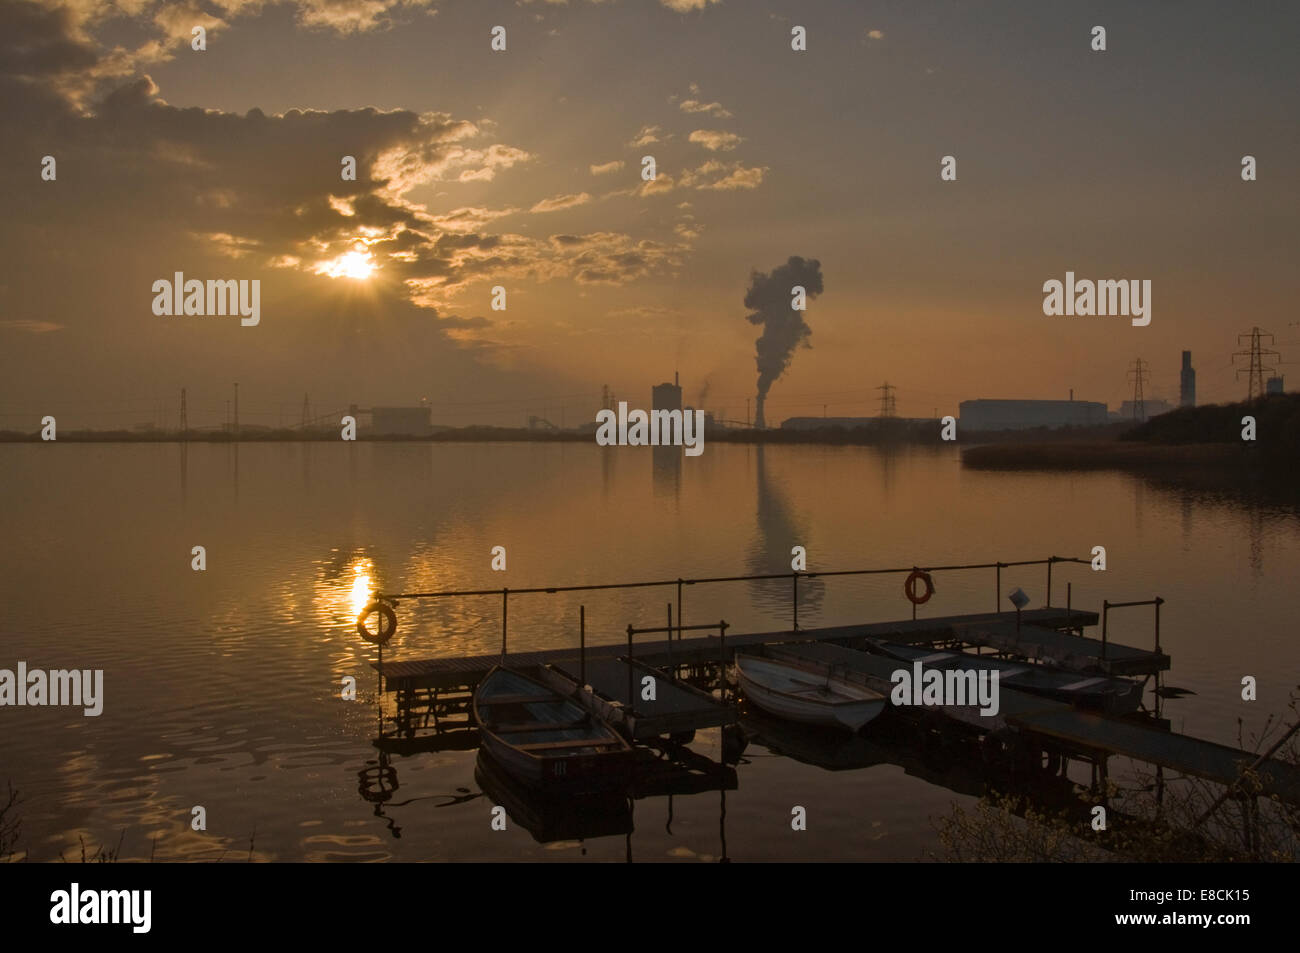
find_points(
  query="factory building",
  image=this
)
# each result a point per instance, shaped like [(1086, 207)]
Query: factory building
[(400, 422), (981, 415), (667, 396)]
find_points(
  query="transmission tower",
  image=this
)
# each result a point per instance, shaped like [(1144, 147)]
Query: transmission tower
[(185, 419), (306, 412), (887, 404), (1141, 374), (236, 410), (1256, 354)]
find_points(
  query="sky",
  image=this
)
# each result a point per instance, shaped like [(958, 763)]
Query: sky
[(522, 169)]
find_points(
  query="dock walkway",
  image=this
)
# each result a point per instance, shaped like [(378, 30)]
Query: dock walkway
[(468, 671), (1045, 718)]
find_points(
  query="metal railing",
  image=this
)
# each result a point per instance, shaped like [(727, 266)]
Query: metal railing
[(794, 576)]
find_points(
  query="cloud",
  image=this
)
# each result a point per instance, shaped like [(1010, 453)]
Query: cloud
[(687, 6), (738, 178), (451, 321), (723, 176), (647, 135), (660, 185), (647, 311), (230, 246), (715, 140), (31, 327), (559, 202), (346, 16), (176, 19), (255, 194), (489, 161), (695, 106), (468, 219)]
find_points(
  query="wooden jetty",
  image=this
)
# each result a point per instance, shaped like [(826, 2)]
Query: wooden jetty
[(687, 668), (1085, 733), (467, 671), (677, 708), (1065, 650)]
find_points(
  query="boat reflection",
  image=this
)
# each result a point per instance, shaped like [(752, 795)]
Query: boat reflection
[(554, 817), (662, 770)]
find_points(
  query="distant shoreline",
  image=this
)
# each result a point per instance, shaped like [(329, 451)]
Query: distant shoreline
[(900, 435), (1099, 455)]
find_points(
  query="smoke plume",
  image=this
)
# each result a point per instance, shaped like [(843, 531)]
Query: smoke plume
[(769, 298)]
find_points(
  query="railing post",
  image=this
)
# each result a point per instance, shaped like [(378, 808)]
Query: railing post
[(679, 610), (671, 671), (794, 598), (505, 607), (1159, 601), (722, 661), (628, 715), (914, 569), (1105, 616)]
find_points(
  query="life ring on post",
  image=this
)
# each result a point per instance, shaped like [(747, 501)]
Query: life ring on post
[(909, 587), (386, 615)]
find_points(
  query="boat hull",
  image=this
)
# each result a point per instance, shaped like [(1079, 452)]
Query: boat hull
[(834, 708), (543, 739), (597, 771)]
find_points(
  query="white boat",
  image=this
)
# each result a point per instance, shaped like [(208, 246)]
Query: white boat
[(807, 694)]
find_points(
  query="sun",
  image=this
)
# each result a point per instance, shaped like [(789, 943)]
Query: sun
[(356, 264)]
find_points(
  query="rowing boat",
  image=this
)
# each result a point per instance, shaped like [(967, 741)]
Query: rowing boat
[(540, 737), (808, 694)]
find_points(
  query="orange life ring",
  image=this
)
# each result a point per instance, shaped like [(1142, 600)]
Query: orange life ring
[(386, 614), (909, 587)]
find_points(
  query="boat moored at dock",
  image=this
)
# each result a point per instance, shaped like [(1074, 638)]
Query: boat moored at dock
[(806, 693), (538, 736)]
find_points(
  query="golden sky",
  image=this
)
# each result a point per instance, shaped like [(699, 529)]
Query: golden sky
[(522, 169)]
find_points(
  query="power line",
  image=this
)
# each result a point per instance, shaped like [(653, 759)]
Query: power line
[(887, 401), (1256, 353), (1141, 375)]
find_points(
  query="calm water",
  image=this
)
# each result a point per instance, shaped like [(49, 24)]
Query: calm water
[(222, 687)]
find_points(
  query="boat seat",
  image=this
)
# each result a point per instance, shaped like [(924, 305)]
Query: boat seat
[(576, 743), (533, 726), (517, 699)]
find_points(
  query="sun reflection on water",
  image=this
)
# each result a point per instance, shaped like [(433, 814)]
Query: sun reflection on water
[(361, 585)]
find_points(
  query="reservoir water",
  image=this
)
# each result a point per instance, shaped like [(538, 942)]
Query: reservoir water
[(222, 687)]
